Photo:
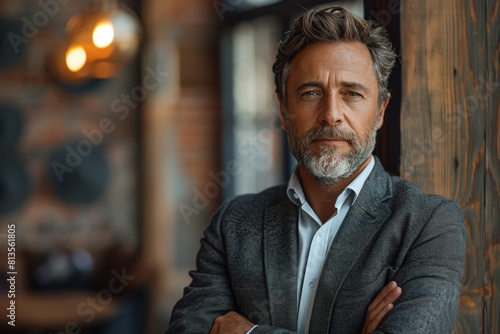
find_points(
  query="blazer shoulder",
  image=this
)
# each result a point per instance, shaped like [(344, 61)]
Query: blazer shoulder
[(408, 195)]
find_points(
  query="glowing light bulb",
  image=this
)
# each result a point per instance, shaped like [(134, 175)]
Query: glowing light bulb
[(103, 34), (76, 57)]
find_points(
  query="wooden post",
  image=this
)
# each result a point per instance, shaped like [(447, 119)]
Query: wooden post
[(450, 132), (492, 182)]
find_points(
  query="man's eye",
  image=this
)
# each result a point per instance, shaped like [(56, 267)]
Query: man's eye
[(353, 94), (309, 93)]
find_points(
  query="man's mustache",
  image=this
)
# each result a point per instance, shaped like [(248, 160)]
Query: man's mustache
[(326, 132)]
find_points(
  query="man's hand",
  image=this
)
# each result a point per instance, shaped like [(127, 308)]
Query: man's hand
[(379, 307), (235, 323), (231, 323)]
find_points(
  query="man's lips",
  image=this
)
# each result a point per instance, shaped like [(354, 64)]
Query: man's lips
[(330, 141)]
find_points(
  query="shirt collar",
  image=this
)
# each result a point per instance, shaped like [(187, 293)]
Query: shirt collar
[(296, 193)]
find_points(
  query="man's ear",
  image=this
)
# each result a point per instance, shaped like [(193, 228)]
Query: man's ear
[(381, 110), (282, 103)]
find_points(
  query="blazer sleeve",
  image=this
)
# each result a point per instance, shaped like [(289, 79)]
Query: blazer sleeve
[(209, 294), (431, 276)]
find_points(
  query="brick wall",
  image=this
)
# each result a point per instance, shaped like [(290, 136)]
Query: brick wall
[(183, 137), (155, 165)]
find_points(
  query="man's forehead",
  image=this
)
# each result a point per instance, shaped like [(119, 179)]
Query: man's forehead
[(318, 58), (333, 55)]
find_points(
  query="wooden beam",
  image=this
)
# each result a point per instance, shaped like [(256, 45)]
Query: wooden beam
[(490, 91), (445, 124)]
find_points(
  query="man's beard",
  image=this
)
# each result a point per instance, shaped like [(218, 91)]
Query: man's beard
[(331, 166)]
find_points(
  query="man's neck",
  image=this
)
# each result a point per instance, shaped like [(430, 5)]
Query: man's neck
[(322, 198)]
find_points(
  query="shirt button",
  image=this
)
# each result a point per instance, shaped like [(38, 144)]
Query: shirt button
[(320, 233), (312, 283)]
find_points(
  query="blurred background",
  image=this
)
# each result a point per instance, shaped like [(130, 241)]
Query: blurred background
[(124, 124)]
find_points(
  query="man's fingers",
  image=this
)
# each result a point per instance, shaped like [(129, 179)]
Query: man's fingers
[(219, 320), (229, 323), (371, 324), (379, 307), (215, 328), (389, 294)]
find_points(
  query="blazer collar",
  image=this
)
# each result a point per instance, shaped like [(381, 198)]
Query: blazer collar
[(363, 220)]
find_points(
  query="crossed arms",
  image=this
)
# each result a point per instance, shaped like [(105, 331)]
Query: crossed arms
[(429, 269), (234, 323)]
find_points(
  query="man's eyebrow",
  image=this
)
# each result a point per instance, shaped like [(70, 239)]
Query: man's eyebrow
[(307, 84), (354, 85), (345, 84)]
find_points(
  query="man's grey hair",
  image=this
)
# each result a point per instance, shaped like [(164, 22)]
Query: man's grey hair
[(335, 24)]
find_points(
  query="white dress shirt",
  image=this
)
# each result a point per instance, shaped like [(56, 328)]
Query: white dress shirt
[(316, 238)]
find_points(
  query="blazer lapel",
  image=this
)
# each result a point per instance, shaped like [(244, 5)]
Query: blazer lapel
[(280, 262), (362, 222)]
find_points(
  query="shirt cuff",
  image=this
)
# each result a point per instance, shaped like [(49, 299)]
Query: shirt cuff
[(251, 329)]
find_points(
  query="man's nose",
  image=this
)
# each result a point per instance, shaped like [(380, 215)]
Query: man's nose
[(331, 112)]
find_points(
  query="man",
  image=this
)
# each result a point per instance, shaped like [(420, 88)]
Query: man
[(313, 256)]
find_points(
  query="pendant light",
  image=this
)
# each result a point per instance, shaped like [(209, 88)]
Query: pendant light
[(100, 41)]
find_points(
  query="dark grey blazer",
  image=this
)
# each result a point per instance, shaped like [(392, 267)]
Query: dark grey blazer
[(248, 263)]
